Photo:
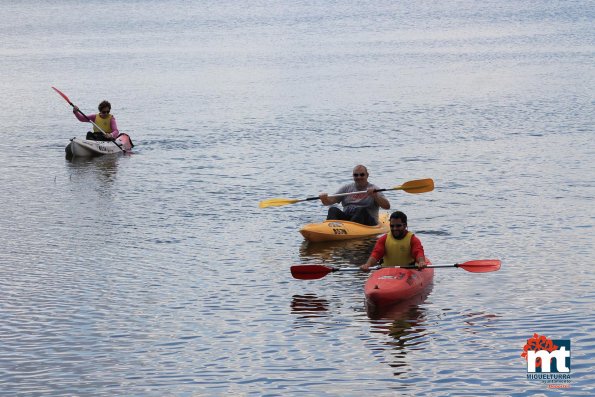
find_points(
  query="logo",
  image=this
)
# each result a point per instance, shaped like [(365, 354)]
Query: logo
[(548, 360)]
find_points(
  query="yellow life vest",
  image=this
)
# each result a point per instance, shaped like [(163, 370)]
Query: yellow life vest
[(104, 123), (397, 252)]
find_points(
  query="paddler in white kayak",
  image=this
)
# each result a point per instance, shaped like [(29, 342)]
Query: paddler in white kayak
[(103, 119), (400, 247), (361, 208)]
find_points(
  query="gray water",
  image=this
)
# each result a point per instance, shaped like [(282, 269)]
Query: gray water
[(156, 273)]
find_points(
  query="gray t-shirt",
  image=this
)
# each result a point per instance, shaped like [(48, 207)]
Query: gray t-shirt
[(354, 201)]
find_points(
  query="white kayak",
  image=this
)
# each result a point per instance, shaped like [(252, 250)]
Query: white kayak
[(79, 147)]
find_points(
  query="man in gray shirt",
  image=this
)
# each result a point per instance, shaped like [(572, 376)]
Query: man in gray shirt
[(361, 208)]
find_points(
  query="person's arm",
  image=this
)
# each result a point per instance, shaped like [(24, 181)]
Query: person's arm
[(326, 200), (379, 198), (80, 117), (417, 252), (114, 127), (376, 255)]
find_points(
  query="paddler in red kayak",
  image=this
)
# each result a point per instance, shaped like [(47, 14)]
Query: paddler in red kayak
[(103, 119), (360, 208), (400, 247)]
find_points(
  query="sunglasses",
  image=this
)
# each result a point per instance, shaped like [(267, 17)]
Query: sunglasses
[(396, 225), (360, 174)]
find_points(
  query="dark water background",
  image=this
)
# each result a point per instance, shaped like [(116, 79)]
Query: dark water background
[(156, 274)]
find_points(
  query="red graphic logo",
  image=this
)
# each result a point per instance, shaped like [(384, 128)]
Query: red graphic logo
[(537, 343)]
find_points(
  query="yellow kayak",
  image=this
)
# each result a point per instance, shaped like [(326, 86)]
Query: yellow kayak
[(335, 230)]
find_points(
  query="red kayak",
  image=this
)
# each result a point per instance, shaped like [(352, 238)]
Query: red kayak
[(391, 285)]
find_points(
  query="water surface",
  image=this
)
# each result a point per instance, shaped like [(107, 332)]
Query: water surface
[(156, 273)]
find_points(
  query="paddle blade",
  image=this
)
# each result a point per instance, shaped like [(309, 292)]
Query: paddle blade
[(62, 94), (277, 202), (310, 272), (481, 266), (417, 186)]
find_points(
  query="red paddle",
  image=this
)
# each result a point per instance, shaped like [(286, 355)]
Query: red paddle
[(63, 96), (313, 272)]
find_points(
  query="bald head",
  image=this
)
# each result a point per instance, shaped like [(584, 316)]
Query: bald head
[(360, 168), (360, 176)]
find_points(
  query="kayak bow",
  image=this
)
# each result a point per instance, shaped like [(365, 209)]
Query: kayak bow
[(391, 285)]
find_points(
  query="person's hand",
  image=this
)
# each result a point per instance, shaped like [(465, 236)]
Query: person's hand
[(421, 263), (371, 191), (75, 109), (366, 266), (323, 196)]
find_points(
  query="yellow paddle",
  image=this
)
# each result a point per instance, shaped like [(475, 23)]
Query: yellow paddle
[(415, 186)]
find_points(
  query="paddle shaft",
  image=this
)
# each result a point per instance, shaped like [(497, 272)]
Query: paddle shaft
[(351, 269), (347, 194), (474, 266), (455, 265), (92, 122), (461, 265)]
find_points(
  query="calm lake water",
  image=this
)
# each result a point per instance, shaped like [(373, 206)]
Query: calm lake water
[(156, 274)]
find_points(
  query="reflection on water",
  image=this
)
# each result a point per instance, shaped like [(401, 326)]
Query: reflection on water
[(405, 325), (102, 167), (478, 318), (308, 305), (400, 309), (434, 232), (93, 179), (352, 252)]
